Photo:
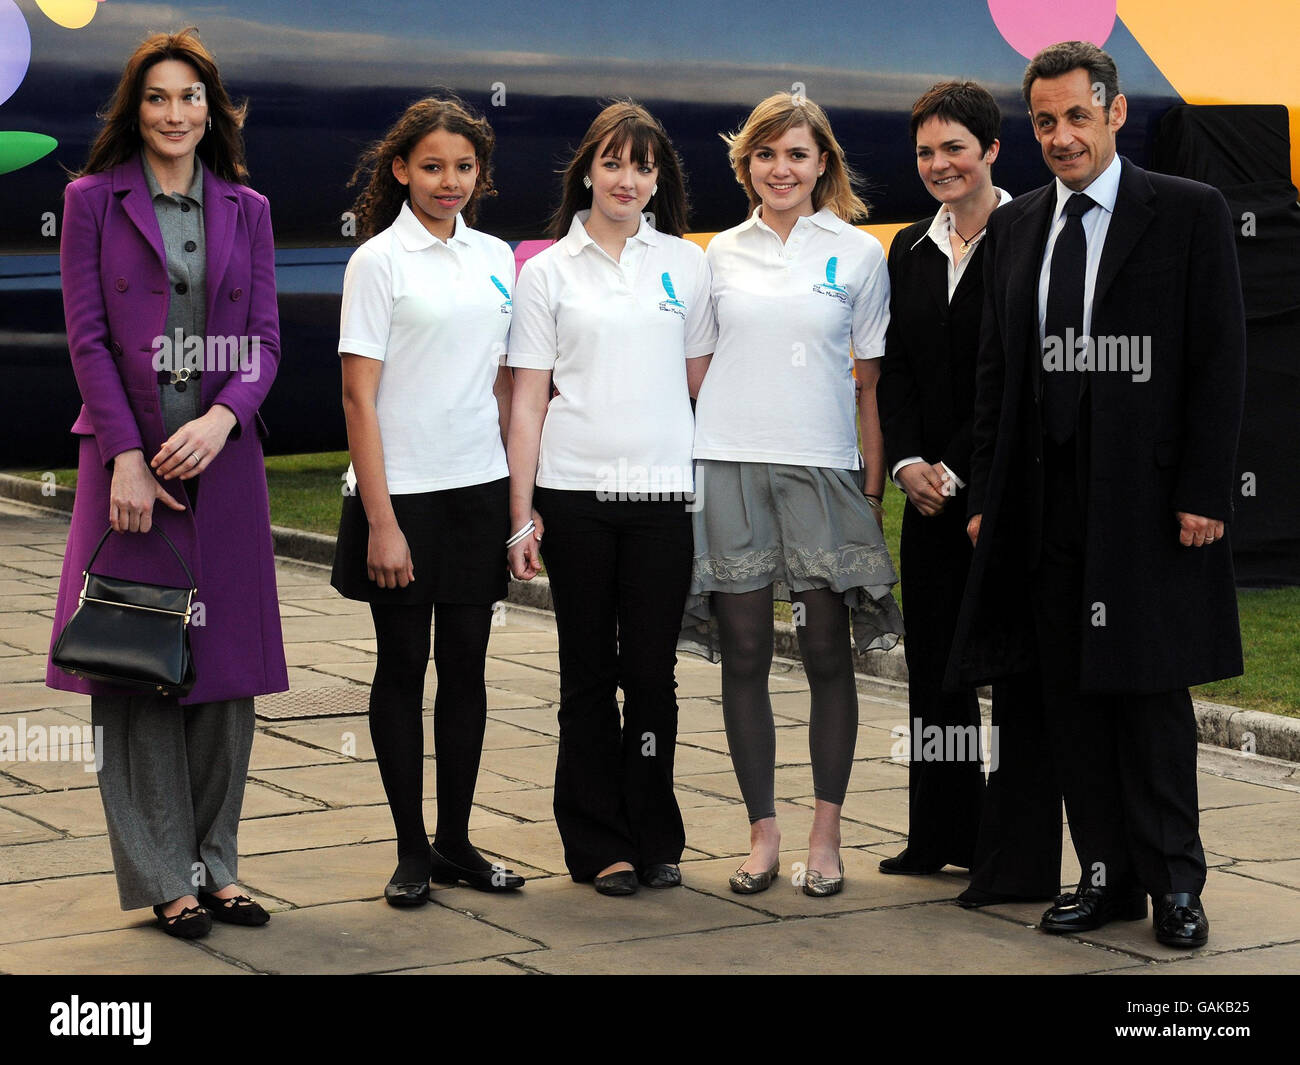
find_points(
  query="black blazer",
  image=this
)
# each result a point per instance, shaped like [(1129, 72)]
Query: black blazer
[(926, 391), (1168, 280)]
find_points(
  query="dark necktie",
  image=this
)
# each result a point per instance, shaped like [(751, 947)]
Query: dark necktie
[(1064, 321)]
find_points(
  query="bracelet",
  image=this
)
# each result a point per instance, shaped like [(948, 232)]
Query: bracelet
[(875, 504), (522, 534), (878, 499)]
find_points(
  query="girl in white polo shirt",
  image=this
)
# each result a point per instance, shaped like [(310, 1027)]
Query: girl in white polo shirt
[(615, 315), (799, 294), (426, 312)]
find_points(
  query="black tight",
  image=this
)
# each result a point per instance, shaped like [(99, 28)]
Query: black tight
[(745, 634), (460, 638)]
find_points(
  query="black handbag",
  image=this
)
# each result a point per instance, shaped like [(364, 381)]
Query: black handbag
[(130, 634)]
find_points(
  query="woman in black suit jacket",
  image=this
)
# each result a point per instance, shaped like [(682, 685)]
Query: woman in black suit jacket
[(1009, 836)]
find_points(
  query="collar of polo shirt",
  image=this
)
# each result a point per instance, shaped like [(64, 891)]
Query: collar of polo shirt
[(825, 219), (414, 237), (578, 238)]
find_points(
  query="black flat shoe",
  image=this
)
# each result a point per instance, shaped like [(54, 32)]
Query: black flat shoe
[(621, 883), (973, 898), (416, 894), (903, 865), (1180, 921), (661, 874), (1090, 908), (446, 871), (193, 922), (238, 909)]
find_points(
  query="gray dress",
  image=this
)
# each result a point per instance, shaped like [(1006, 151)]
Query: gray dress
[(172, 779)]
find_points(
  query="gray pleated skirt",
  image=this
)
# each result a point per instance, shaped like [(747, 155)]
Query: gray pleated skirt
[(796, 528)]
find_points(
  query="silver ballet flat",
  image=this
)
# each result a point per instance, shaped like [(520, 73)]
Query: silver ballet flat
[(743, 883), (819, 886)]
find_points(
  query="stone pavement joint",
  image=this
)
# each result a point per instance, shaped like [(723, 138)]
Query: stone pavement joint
[(319, 845)]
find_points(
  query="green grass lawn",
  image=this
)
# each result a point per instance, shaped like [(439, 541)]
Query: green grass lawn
[(307, 491)]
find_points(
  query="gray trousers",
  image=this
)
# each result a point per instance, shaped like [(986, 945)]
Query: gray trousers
[(172, 783)]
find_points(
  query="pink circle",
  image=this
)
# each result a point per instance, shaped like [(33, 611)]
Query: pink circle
[(15, 48), (1029, 26)]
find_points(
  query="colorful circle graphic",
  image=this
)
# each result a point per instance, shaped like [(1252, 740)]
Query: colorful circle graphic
[(1029, 26)]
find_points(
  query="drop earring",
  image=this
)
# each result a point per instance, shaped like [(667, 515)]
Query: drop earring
[(209, 123), (654, 190), (586, 182)]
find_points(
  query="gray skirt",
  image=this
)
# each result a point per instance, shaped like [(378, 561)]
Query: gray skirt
[(796, 528)]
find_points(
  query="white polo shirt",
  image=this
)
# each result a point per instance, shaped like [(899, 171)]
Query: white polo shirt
[(791, 318), (437, 315), (616, 336)]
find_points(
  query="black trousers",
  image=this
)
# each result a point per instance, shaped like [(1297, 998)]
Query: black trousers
[(1008, 833), (619, 573), (1127, 762)]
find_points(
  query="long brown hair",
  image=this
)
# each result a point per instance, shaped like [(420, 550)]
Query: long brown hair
[(222, 146), (623, 121), (380, 202), (770, 121)]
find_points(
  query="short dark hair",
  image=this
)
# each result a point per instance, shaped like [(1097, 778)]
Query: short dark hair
[(1058, 59), (965, 102)]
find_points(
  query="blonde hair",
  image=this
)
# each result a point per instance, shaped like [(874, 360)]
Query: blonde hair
[(770, 121)]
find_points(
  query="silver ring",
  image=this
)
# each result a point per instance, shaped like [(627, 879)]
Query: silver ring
[(195, 456)]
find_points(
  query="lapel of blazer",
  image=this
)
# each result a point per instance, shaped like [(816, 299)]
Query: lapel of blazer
[(1028, 236), (133, 194), (971, 280), (1133, 213), (220, 213)]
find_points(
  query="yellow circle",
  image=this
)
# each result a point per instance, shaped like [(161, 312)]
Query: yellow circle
[(70, 14)]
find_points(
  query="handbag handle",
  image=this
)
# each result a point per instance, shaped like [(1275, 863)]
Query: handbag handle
[(95, 554)]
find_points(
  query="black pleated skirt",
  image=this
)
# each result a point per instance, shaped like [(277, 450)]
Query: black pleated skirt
[(457, 540)]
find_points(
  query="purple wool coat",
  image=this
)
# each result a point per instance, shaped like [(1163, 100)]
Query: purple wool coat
[(115, 298)]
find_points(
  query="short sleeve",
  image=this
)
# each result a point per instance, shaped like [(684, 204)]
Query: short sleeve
[(367, 314), (871, 307), (532, 328), (702, 323), (506, 276)]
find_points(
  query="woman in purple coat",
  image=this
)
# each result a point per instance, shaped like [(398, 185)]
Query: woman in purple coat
[(168, 272)]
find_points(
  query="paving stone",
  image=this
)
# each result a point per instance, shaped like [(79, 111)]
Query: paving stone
[(546, 660), (76, 813), (315, 828), (1216, 793), (347, 784), (539, 717), (326, 627), (27, 602), (361, 937), (62, 907), (11, 786), (334, 604), (260, 801), (1286, 873), (1259, 832), (17, 828), (525, 641), (272, 752), (698, 715), (533, 765), (33, 638), (891, 941), (313, 652), (560, 913), (531, 804), (56, 858), (69, 774), (292, 610), (138, 951), (465, 968), (346, 736), (534, 844), (300, 678), (690, 761), (323, 875), (1260, 961)]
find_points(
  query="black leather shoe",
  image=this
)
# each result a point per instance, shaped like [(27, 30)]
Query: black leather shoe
[(621, 883), (193, 922), (903, 865), (416, 894), (1180, 920), (1090, 908), (237, 909), (497, 878), (973, 898), (662, 874)]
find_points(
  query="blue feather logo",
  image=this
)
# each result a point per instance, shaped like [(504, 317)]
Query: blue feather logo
[(831, 264), (672, 303), (505, 307)]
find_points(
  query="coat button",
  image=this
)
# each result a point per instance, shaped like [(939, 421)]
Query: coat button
[(190, 245), (237, 294), (185, 208), (120, 284), (181, 288), (117, 349)]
